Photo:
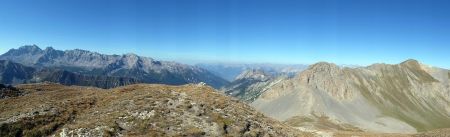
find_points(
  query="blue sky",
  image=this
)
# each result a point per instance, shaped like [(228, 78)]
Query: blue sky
[(252, 31)]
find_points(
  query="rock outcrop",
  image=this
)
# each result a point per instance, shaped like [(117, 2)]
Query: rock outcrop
[(8, 91)]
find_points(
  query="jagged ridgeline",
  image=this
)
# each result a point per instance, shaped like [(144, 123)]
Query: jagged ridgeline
[(402, 98), (15, 73), (80, 67)]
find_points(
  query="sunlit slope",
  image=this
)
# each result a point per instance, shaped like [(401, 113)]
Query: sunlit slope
[(406, 97)]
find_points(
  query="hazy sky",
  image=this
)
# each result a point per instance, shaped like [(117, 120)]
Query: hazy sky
[(273, 31)]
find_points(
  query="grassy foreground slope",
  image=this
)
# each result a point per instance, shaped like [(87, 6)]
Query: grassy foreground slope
[(135, 110)]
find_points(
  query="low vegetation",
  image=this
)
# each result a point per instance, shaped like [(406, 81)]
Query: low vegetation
[(135, 110)]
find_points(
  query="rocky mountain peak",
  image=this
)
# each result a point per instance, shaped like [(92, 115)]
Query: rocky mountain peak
[(407, 97), (80, 51), (30, 48), (128, 65), (131, 60), (411, 63), (326, 77), (130, 55), (324, 66), (49, 49), (27, 49), (254, 74)]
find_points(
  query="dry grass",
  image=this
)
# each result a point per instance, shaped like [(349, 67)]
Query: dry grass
[(135, 110)]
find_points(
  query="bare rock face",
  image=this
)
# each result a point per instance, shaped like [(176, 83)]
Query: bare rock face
[(84, 62), (135, 110), (403, 98), (327, 77)]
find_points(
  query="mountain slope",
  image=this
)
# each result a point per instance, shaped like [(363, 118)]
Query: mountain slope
[(69, 78), (129, 65), (134, 110), (250, 84), (407, 97), (15, 73)]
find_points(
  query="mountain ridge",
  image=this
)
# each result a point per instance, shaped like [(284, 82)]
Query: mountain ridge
[(15, 73), (403, 97), (85, 62), (230, 71), (250, 84)]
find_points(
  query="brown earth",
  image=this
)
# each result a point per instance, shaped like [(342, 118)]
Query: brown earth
[(135, 110)]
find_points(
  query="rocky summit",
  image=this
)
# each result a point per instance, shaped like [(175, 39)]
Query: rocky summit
[(48, 109)]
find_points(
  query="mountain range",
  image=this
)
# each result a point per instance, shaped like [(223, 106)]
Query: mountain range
[(81, 67), (403, 98), (15, 73), (323, 99), (230, 71)]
